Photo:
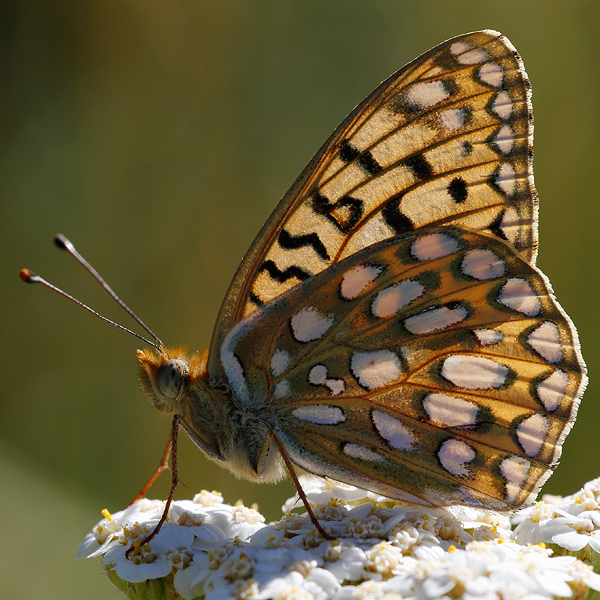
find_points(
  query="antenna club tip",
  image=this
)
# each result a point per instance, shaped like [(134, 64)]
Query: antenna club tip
[(27, 276), (61, 242)]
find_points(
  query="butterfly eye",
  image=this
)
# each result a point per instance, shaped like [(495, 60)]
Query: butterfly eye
[(170, 377)]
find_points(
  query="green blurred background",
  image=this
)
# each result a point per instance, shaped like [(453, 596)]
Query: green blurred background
[(159, 135)]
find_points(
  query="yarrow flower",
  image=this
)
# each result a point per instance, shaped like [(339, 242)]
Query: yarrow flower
[(570, 525), (382, 549)]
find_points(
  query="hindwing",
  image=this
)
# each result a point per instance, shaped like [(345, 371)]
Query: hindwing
[(433, 367)]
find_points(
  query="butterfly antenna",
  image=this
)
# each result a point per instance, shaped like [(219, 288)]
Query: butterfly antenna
[(64, 244)]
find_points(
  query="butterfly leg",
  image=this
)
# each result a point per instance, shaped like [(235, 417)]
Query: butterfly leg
[(290, 468), (172, 450)]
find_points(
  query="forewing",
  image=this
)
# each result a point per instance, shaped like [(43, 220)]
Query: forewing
[(445, 140), (434, 367)]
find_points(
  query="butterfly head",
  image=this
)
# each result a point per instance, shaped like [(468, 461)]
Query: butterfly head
[(165, 376), (180, 385)]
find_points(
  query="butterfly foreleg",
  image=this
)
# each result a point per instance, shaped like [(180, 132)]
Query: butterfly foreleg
[(171, 450)]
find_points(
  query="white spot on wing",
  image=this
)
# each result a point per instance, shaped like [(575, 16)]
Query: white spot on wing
[(532, 432), (435, 319), (491, 73), (514, 470), (482, 264), (375, 369), (362, 453), (281, 389), (551, 390), (309, 324), (452, 118), (427, 94), (389, 301), (487, 337), (505, 139), (357, 278), (474, 372), (518, 295), (459, 48), (502, 105), (434, 245), (505, 179), (545, 340), (279, 362), (466, 56), (473, 57), (450, 411), (321, 414), (511, 224), (318, 376), (392, 430), (453, 455), (231, 364)]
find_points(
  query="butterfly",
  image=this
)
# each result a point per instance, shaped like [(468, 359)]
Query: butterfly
[(388, 327)]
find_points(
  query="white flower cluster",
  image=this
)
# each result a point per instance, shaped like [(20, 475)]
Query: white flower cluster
[(383, 549), (570, 524)]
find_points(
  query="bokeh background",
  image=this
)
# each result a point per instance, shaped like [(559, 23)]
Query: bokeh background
[(159, 135)]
